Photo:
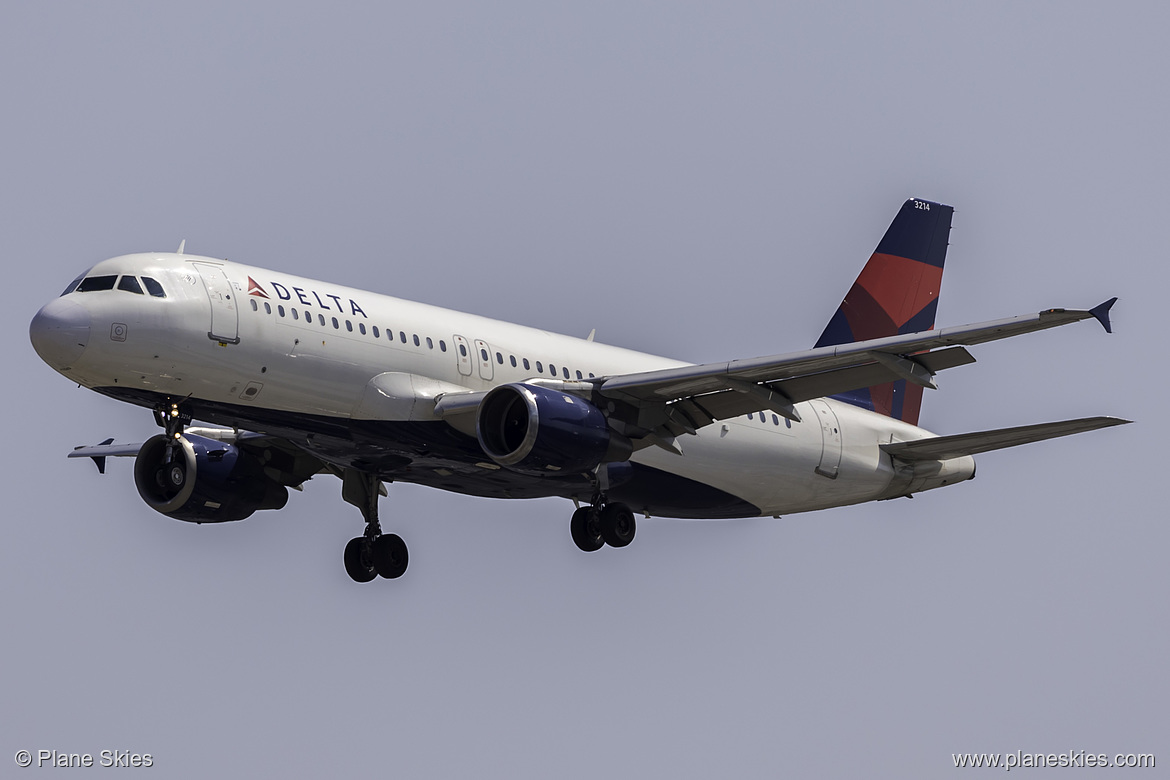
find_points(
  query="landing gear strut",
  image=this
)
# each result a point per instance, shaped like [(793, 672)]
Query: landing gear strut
[(172, 472), (372, 554), (602, 523)]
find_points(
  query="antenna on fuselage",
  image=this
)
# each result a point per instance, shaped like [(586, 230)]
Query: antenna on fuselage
[(592, 333), (182, 244)]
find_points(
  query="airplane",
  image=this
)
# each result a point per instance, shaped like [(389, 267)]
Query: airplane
[(299, 377)]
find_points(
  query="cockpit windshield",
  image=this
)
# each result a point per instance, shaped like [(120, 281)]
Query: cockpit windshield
[(96, 283), (130, 284), (73, 285), (125, 283), (153, 287)]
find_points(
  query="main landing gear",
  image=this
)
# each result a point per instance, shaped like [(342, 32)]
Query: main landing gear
[(602, 523), (372, 554)]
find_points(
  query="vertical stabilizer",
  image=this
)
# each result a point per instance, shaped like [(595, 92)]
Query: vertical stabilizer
[(897, 292)]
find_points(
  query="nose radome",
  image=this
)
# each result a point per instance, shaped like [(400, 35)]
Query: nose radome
[(60, 332)]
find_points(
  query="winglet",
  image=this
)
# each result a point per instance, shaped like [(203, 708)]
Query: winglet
[(1101, 312)]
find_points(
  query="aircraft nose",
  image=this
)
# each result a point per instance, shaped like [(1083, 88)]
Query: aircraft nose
[(60, 332)]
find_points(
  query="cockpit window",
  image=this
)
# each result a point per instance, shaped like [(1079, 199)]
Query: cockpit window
[(153, 287), (130, 284), (95, 283), (73, 285)]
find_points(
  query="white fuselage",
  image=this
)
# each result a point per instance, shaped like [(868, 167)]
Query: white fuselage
[(248, 338)]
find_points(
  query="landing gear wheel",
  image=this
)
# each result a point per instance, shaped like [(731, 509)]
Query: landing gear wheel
[(617, 525), (586, 529), (389, 556), (357, 563)]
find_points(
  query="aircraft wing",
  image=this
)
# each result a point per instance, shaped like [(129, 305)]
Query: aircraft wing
[(944, 447), (715, 391), (300, 466)]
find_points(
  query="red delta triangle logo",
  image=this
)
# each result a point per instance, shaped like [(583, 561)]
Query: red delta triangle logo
[(254, 288)]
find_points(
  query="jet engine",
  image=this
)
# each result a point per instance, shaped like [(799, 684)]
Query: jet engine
[(541, 431), (204, 481)]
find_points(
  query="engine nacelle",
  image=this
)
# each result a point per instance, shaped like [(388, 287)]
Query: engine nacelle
[(541, 431), (206, 481)]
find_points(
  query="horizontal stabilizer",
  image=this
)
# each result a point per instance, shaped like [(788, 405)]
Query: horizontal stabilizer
[(99, 452), (944, 447), (107, 449)]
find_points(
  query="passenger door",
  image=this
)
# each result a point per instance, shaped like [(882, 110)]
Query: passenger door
[(830, 439), (225, 318)]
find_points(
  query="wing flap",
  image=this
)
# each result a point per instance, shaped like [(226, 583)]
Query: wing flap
[(944, 447)]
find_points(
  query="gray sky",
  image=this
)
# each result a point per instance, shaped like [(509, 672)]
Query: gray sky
[(702, 181)]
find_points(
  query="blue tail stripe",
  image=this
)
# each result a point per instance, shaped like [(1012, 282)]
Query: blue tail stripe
[(923, 320), (913, 233)]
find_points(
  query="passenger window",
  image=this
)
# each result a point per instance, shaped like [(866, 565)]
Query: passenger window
[(377, 334), (130, 284), (499, 358), (442, 346), (565, 372), (579, 375), (775, 420), (296, 315), (462, 350), (513, 359), (267, 308), (417, 343), (336, 324), (280, 310), (255, 307), (539, 367), (309, 317), (154, 288), (591, 375), (321, 320), (402, 335), (349, 326), (483, 355), (527, 365), (430, 344), (552, 369), (362, 328), (96, 283)]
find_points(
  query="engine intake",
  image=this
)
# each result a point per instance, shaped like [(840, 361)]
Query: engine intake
[(206, 481), (541, 431)]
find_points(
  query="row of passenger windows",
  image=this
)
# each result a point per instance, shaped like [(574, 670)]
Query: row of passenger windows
[(361, 326), (552, 369), (377, 333), (764, 418), (126, 283)]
